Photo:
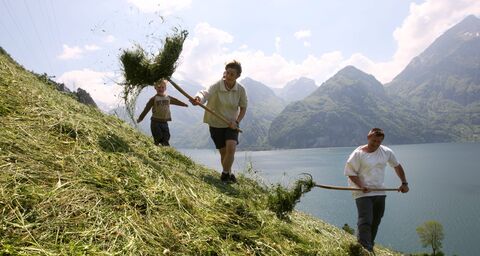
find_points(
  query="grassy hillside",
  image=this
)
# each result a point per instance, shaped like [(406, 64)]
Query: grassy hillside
[(74, 181)]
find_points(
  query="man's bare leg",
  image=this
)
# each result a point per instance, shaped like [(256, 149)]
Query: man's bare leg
[(228, 155)]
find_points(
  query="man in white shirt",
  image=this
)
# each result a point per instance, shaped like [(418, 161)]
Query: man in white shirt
[(365, 169)]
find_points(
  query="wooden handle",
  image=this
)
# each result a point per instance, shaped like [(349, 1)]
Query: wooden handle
[(353, 189), (200, 104)]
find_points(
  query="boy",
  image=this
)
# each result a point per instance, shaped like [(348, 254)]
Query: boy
[(228, 98), (160, 105)]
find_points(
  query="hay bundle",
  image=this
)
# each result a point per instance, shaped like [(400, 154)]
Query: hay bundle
[(282, 200), (140, 70)]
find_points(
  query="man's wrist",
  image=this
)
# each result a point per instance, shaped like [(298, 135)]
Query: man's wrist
[(405, 183)]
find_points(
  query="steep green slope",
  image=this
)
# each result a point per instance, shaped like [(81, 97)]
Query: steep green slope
[(74, 181)]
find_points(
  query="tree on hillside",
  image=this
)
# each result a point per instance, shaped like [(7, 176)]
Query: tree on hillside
[(431, 234)]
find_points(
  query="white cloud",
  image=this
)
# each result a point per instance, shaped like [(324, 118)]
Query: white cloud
[(164, 7), (277, 44), (307, 44), (99, 85), (109, 39), (70, 52), (76, 52), (204, 52), (91, 47), (302, 34), (204, 57), (425, 22)]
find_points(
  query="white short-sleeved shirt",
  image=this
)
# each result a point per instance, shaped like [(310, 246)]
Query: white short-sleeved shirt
[(369, 168), (224, 102)]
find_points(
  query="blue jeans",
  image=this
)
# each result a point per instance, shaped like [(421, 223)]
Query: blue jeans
[(160, 133), (370, 212)]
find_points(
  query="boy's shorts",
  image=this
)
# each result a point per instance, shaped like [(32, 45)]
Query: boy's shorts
[(221, 135)]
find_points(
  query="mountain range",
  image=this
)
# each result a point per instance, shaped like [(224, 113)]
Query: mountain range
[(436, 98)]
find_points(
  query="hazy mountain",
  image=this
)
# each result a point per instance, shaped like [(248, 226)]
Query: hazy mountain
[(444, 81), (448, 69), (263, 107), (340, 112), (297, 89)]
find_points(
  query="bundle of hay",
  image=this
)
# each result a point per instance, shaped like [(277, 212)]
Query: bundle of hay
[(282, 200), (141, 69)]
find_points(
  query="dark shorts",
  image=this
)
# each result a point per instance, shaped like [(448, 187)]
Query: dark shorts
[(160, 132), (221, 135)]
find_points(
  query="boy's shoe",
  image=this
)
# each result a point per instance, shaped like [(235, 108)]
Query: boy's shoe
[(225, 177), (232, 178)]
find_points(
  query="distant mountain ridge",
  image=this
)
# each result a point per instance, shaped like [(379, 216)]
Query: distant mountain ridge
[(340, 111), (436, 98), (448, 69), (297, 89)]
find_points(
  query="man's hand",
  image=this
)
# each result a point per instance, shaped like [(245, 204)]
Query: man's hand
[(196, 101), (365, 189), (139, 120), (404, 188)]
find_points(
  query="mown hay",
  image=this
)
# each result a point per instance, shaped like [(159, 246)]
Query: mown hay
[(282, 200), (141, 69)]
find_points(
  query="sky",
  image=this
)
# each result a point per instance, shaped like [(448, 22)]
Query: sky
[(79, 42)]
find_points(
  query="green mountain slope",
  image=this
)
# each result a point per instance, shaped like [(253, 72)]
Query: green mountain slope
[(74, 181), (340, 111), (263, 107), (444, 82)]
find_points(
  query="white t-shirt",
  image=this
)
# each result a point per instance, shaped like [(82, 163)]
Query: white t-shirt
[(370, 168)]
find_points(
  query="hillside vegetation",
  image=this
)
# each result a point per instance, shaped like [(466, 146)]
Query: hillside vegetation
[(74, 181)]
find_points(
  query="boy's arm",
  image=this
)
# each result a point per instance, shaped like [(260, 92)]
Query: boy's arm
[(145, 111), (175, 101)]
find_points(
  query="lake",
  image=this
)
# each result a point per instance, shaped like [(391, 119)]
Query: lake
[(443, 179)]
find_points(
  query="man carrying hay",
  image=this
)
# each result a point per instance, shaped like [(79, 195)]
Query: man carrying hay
[(228, 98)]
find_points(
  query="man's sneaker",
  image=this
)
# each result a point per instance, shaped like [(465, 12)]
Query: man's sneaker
[(232, 178), (225, 177)]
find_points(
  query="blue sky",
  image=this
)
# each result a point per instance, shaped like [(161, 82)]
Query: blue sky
[(276, 41)]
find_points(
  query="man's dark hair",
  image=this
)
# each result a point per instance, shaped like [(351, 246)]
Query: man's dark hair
[(235, 65), (377, 132)]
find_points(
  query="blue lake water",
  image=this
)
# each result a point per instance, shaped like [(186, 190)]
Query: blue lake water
[(444, 186)]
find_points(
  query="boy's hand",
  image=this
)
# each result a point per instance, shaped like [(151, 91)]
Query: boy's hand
[(233, 125), (196, 101)]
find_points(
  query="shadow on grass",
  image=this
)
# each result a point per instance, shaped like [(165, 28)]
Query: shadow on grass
[(112, 143), (226, 188)]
